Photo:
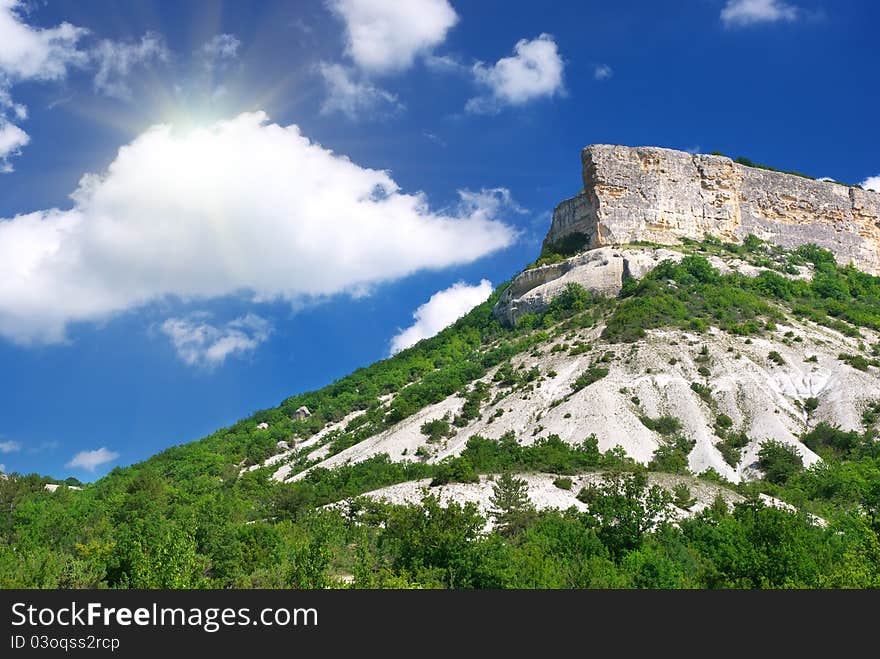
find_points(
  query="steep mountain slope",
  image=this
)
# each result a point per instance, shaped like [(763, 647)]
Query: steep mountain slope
[(694, 378), (644, 389)]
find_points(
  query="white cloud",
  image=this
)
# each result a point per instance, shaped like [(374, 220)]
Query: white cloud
[(90, 460), (443, 309), (116, 59), (743, 13), (602, 72), (199, 343), (12, 138), (534, 71), (220, 48), (2, 468), (872, 183), (384, 37), (355, 99), (31, 53), (240, 206), (10, 447)]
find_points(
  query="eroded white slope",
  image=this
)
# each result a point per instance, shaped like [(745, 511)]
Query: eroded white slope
[(763, 399)]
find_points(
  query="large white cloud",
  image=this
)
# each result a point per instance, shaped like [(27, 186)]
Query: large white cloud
[(383, 36), (439, 312), (534, 71), (199, 342), (90, 460), (742, 13), (872, 183), (239, 206)]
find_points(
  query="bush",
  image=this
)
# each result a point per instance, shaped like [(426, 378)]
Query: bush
[(681, 496), (563, 483), (856, 361), (826, 435), (775, 357), (810, 404), (592, 374), (779, 461), (436, 430), (664, 425), (702, 391)]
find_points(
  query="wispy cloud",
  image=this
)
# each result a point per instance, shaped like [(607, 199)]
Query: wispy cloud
[(356, 99), (602, 72), (91, 460), (116, 60), (744, 13), (200, 343), (9, 446)]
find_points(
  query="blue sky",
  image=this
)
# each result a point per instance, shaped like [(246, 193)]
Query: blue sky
[(207, 207)]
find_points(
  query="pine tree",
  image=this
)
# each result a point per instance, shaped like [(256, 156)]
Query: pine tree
[(511, 505)]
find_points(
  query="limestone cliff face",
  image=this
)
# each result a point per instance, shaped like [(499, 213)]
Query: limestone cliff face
[(660, 195)]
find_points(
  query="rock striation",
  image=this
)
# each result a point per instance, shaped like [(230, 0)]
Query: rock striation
[(634, 194)]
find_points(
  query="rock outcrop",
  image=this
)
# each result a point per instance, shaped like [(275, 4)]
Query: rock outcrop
[(634, 194), (600, 271)]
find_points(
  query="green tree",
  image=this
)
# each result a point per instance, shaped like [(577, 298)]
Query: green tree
[(511, 507)]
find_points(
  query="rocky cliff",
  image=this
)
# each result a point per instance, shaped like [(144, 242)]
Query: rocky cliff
[(660, 195)]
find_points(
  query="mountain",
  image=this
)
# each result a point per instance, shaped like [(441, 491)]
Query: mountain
[(681, 391)]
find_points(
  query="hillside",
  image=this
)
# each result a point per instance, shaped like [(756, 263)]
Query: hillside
[(712, 423)]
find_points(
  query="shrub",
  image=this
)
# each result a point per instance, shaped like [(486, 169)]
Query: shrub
[(826, 435), (436, 430), (856, 361), (775, 357), (779, 461), (811, 403), (702, 391), (592, 374), (672, 456), (664, 425), (563, 483), (681, 496)]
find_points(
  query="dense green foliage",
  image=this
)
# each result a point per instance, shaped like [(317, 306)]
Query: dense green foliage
[(190, 518), (567, 246), (693, 295)]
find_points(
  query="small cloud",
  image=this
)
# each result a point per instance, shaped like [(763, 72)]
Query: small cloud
[(90, 460), (693, 150), (443, 309), (744, 13), (116, 60), (199, 343), (871, 183), (434, 138), (12, 139), (219, 50), (534, 71), (602, 72), (445, 64), (353, 98), (2, 468), (10, 447), (386, 37)]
